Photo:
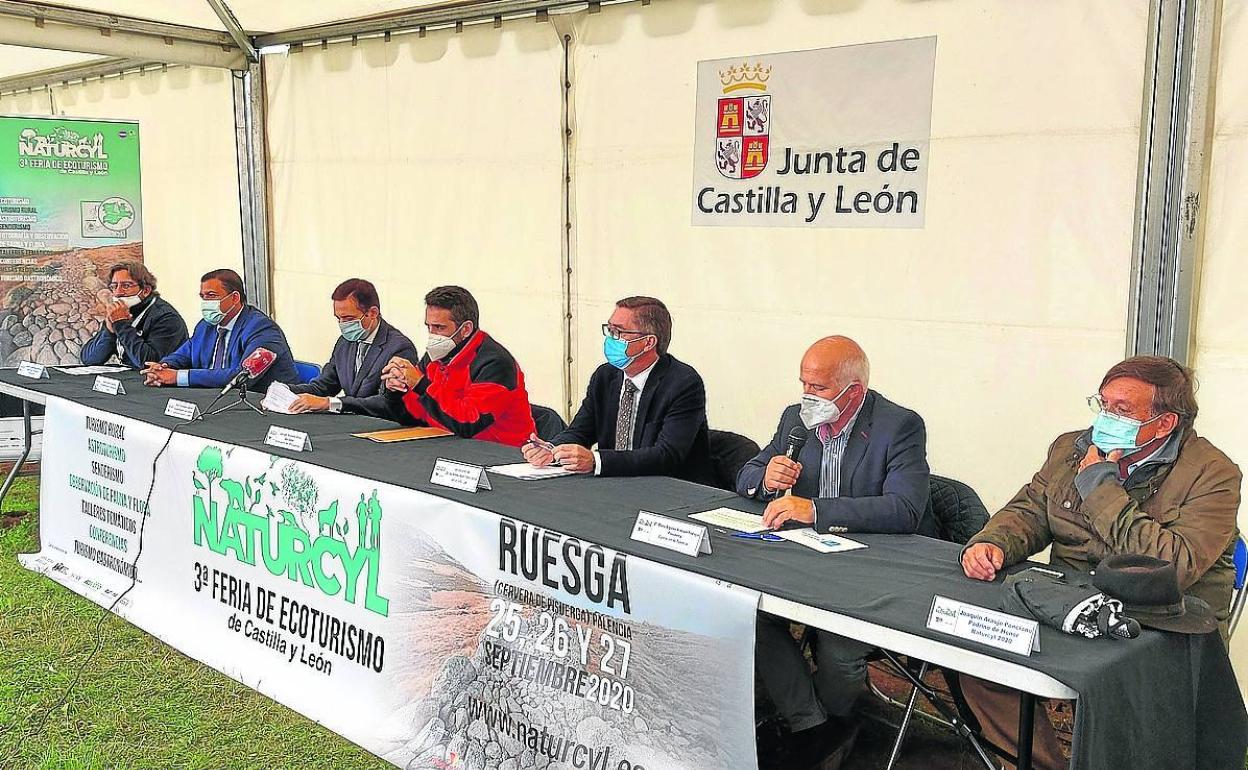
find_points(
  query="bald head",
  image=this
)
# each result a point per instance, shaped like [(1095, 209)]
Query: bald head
[(831, 364)]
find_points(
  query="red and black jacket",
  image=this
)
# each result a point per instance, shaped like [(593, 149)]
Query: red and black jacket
[(477, 391)]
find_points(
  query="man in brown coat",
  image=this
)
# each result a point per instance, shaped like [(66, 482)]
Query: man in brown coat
[(1140, 481)]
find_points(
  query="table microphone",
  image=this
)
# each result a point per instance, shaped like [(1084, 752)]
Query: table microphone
[(793, 447), (254, 365)]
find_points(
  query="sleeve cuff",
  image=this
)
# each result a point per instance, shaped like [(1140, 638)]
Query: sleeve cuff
[(597, 463), (184, 378), (1091, 477), (335, 404)]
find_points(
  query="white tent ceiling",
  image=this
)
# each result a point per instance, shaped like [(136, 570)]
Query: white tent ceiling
[(20, 53), (254, 15)]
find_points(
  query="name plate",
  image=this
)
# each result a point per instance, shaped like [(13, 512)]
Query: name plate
[(672, 534), (33, 371), (285, 438), (979, 624), (465, 477), (182, 410), (110, 385)]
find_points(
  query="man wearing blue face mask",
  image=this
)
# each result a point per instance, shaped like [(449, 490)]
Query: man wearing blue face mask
[(230, 331), (1139, 481), (351, 380), (644, 409)]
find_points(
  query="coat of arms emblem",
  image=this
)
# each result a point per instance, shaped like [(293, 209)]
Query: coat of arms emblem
[(743, 121)]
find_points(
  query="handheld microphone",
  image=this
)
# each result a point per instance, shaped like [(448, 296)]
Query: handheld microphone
[(793, 447), (254, 365), (797, 440)]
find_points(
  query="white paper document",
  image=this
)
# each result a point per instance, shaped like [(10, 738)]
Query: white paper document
[(79, 370), (821, 543), (527, 472), (731, 518), (278, 398)]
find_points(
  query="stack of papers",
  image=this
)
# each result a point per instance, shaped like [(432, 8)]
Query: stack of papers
[(821, 543), (731, 518), (278, 399), (80, 370), (527, 472)]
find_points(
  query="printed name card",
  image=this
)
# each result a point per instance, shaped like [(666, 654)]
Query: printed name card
[(672, 534), (979, 624), (33, 371), (285, 438), (182, 410), (110, 385), (465, 477)]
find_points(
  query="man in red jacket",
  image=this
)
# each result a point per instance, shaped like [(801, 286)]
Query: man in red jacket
[(466, 382)]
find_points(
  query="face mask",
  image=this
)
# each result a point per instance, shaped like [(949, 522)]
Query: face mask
[(130, 301), (616, 352), (438, 347), (210, 309), (816, 411), (352, 331), (1111, 432)]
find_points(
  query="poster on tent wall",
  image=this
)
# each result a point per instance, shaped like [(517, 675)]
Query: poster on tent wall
[(432, 633), (833, 137), (69, 207)]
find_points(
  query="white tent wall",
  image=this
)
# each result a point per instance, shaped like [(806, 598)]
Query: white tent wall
[(993, 322), (189, 166), (1221, 350), (419, 162)]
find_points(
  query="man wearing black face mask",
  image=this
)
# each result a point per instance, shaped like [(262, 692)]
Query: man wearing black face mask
[(644, 409), (138, 325), (863, 469)]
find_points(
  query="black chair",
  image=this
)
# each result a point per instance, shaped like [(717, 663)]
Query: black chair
[(729, 453), (959, 516), (547, 422)]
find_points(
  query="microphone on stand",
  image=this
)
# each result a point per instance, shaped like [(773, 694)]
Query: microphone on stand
[(793, 446), (254, 365)]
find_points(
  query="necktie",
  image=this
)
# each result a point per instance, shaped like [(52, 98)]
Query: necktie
[(624, 422), (361, 350), (218, 349)]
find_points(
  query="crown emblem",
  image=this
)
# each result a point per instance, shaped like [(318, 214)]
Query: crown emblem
[(745, 76)]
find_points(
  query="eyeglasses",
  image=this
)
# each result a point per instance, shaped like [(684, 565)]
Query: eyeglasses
[(1097, 405), (115, 285), (616, 333)]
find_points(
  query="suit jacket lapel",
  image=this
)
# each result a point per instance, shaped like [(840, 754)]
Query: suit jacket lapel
[(611, 409), (653, 382), (374, 350), (856, 448)]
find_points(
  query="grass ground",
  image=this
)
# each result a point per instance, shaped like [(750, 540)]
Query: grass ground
[(140, 704)]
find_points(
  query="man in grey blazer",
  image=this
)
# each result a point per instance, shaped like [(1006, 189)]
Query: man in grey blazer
[(351, 381), (862, 468)]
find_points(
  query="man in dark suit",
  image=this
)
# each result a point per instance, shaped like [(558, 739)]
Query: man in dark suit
[(367, 343), (139, 325), (863, 468), (644, 409), (230, 331)]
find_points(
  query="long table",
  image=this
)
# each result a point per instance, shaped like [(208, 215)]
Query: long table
[(880, 595)]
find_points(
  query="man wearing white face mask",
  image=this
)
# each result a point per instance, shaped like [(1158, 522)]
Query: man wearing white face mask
[(863, 468), (230, 331), (138, 324), (466, 382), (351, 380)]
